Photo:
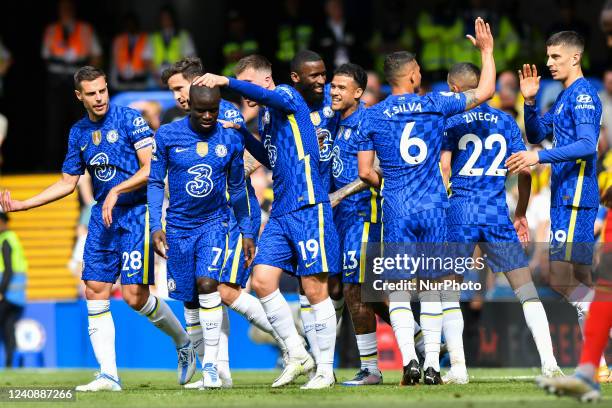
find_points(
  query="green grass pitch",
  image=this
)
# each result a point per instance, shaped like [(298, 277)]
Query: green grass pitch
[(491, 388)]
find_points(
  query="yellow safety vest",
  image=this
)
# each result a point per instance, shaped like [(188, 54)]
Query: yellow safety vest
[(16, 289)]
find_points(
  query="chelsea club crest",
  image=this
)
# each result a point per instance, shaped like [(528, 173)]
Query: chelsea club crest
[(112, 136)]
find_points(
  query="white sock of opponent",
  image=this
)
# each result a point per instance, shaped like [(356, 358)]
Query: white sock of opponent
[(431, 324), (368, 351), (159, 313), (223, 353), (194, 330), (251, 308), (536, 319), (308, 321), (102, 335), (280, 317), (402, 322), (211, 317), (325, 330), (452, 326)]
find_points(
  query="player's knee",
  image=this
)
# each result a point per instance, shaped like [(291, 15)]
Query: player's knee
[(207, 285), (262, 287), (135, 300), (315, 288), (229, 293)]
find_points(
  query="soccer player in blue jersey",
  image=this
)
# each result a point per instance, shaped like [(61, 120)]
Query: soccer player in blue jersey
[(475, 146), (113, 144), (178, 78), (405, 132), (300, 232), (573, 123), (204, 162), (357, 218), (308, 75)]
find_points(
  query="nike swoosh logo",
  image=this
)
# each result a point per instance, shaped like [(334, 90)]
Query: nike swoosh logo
[(308, 265), (212, 269), (349, 273), (84, 147), (180, 149), (129, 275)]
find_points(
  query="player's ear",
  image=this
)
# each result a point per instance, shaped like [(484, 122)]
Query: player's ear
[(78, 95), (295, 78), (358, 93)]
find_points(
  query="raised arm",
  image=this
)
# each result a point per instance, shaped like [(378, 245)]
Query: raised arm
[(537, 127), (276, 99), (486, 86)]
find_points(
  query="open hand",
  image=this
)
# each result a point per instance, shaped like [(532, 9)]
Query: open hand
[(211, 80), (248, 249), (530, 82), (484, 38), (8, 204), (520, 160), (160, 245)]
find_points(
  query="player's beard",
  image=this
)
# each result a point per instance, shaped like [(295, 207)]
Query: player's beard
[(312, 97)]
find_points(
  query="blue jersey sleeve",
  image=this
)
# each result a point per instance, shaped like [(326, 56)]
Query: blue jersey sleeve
[(156, 184), (516, 139), (255, 147), (584, 146), (538, 127), (363, 137), (281, 98), (449, 141), (137, 129), (237, 189), (73, 163), (448, 103)]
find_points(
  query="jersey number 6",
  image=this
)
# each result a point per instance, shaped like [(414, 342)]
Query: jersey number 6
[(407, 142)]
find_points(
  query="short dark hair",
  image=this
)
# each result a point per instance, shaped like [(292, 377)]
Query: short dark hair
[(394, 62), (467, 71), (189, 67), (354, 71), (303, 57), (203, 92), (87, 73), (566, 38), (254, 61)]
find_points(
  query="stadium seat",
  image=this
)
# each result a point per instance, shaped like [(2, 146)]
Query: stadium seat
[(47, 234)]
